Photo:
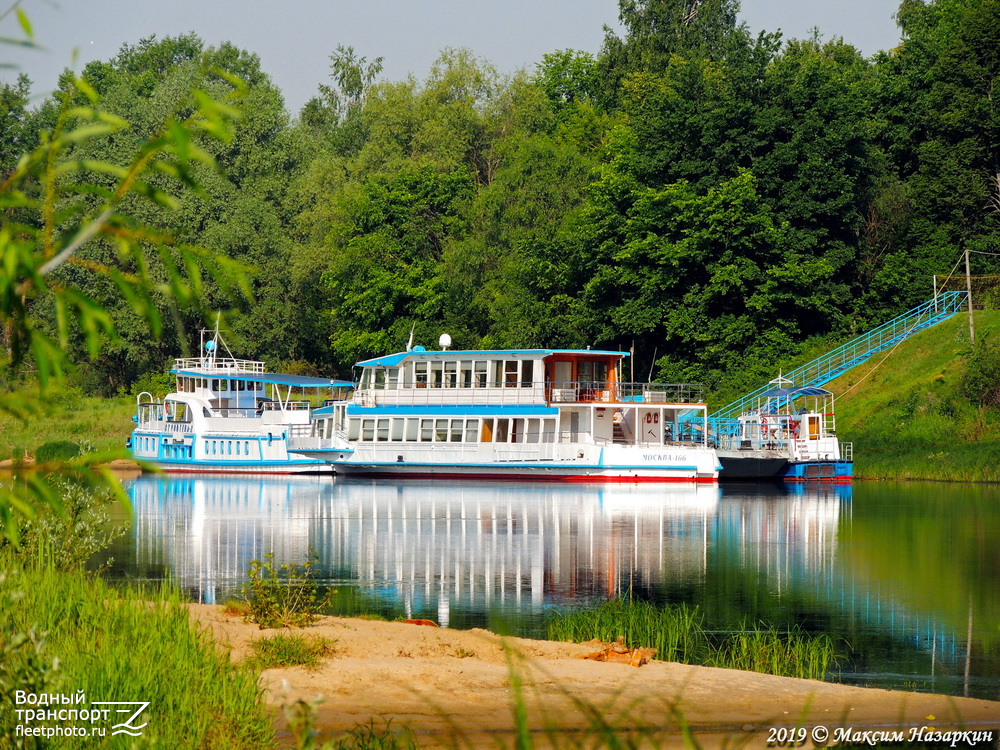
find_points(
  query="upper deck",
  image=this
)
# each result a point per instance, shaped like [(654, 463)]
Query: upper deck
[(510, 378)]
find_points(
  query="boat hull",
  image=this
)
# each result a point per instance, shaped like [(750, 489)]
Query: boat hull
[(282, 467), (818, 471), (763, 466), (582, 464)]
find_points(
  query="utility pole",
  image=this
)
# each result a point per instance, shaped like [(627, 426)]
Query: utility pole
[(968, 289)]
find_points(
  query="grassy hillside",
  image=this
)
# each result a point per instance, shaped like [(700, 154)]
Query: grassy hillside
[(908, 416)]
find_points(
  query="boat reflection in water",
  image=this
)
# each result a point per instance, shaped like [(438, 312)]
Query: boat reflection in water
[(431, 549), (875, 567)]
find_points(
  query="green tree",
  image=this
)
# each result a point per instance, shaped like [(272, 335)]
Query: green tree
[(939, 125), (239, 208), (52, 211)]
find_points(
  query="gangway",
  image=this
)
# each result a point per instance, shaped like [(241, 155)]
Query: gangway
[(856, 351)]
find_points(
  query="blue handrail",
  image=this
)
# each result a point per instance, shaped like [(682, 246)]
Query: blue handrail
[(859, 349)]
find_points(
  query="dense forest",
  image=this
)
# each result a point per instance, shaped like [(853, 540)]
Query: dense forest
[(716, 200)]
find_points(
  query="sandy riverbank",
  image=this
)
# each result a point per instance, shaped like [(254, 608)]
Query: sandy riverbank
[(453, 685)]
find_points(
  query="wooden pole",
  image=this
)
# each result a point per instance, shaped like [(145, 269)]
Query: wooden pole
[(968, 288)]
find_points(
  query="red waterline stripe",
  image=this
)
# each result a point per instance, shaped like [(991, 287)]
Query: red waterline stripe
[(579, 479)]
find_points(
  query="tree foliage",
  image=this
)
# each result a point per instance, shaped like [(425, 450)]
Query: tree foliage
[(59, 202), (696, 190)]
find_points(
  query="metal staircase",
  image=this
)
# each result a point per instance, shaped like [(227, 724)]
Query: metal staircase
[(859, 349)]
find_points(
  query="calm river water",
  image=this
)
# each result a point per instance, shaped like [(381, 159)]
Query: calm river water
[(905, 577)]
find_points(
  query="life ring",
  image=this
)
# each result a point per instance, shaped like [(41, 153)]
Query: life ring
[(649, 419), (656, 419)]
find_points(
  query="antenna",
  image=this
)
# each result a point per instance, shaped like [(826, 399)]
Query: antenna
[(651, 366), (409, 344), (444, 341)]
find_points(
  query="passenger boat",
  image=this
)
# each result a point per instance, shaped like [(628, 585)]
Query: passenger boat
[(232, 416), (532, 414), (790, 435)]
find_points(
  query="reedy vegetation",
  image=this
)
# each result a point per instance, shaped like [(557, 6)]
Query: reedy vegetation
[(678, 633)]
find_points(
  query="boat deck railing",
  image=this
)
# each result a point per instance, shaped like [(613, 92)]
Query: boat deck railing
[(534, 393), (219, 365)]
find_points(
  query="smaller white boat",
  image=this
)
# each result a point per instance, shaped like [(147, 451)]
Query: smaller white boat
[(790, 435), (231, 416)]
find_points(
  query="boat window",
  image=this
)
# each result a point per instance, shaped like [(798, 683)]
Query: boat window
[(532, 431), (465, 373), (440, 430), (368, 430), (396, 433), (246, 447), (229, 447), (392, 378), (510, 374), (471, 430), (456, 430), (601, 372), (517, 430), (380, 379), (383, 431), (420, 373), (548, 430), (354, 429), (412, 430), (480, 372), (487, 433), (437, 374), (503, 425), (527, 373), (450, 374), (237, 447), (426, 430)]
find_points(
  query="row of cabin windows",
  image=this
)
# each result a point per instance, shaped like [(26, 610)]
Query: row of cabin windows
[(420, 430), (219, 385), (226, 447), (452, 374)]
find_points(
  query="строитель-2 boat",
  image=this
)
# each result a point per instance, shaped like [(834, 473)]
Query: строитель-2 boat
[(232, 416), (532, 414)]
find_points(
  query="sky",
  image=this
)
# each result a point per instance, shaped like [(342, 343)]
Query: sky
[(294, 42)]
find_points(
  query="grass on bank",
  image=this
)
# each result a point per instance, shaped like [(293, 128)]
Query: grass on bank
[(125, 645), (909, 412), (289, 650), (678, 634), (99, 424)]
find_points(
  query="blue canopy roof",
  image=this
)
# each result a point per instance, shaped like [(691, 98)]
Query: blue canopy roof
[(806, 390), (270, 378), (392, 360)]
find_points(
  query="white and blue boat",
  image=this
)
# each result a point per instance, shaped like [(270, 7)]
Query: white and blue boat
[(231, 416), (790, 435), (529, 414)]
